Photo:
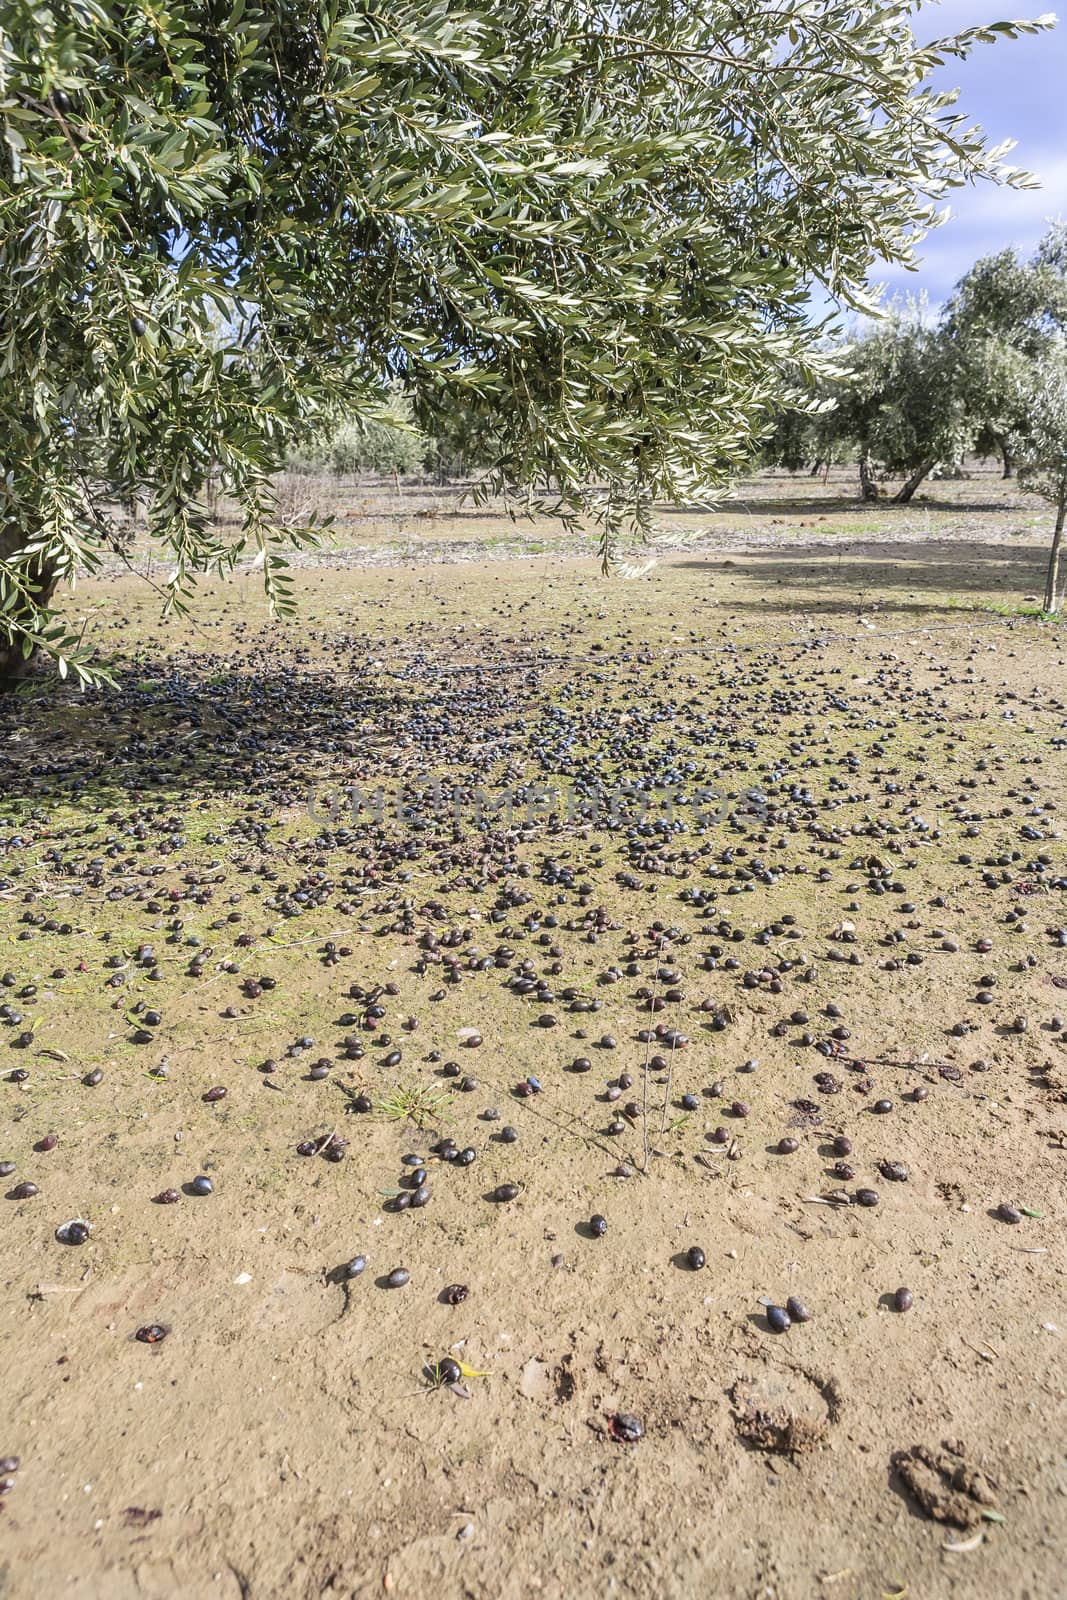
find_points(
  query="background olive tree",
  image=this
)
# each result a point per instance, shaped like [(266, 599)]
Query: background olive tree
[(594, 225)]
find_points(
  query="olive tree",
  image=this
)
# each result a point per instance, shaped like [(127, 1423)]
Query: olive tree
[(1043, 454), (1002, 317), (900, 404), (224, 226)]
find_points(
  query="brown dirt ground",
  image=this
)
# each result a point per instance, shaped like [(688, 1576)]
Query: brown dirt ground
[(284, 1440)]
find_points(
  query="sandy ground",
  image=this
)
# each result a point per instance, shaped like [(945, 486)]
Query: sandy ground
[(903, 884)]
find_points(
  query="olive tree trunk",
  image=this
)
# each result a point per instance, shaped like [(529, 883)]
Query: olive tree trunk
[(14, 665), (868, 487), (1053, 597), (904, 494)]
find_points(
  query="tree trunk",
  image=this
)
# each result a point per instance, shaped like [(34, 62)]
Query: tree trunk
[(904, 494), (816, 469), (1009, 465), (868, 487), (14, 666), (1053, 598)]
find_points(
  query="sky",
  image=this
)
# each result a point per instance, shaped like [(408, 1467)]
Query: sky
[(1017, 89)]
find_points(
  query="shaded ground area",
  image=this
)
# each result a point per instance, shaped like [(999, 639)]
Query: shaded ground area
[(736, 918)]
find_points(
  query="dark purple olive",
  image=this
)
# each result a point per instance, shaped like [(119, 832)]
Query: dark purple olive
[(362, 1102), (421, 1196), (1005, 1212), (465, 1158), (202, 1185), (788, 1147), (76, 1232), (306, 1147), (166, 1197), (842, 1145), (448, 1370), (397, 1278), (6, 1168), (92, 1079), (217, 1093), (455, 1294), (505, 1191), (49, 1142), (152, 1333), (354, 1267), (719, 1136), (23, 1191), (866, 1197), (626, 1428), (10, 1464), (779, 1319), (920, 1092), (903, 1300), (893, 1171), (740, 1108), (798, 1311), (844, 1171), (508, 1134), (598, 1225), (882, 1107), (696, 1258)]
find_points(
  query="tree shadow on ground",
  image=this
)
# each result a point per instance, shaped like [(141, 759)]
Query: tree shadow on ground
[(197, 732), (955, 568)]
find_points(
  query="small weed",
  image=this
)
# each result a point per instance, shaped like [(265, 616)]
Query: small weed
[(419, 1103)]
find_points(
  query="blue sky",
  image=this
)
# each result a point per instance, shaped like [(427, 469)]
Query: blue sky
[(1016, 88)]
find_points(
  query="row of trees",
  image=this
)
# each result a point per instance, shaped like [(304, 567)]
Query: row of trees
[(912, 394), (988, 377)]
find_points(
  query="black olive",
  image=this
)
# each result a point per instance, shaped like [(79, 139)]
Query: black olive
[(23, 1191), (696, 1257), (625, 1427), (353, 1268), (448, 1370), (1005, 1212), (455, 1294), (903, 1299), (139, 326), (505, 1191), (397, 1278), (779, 1319), (798, 1311), (598, 1225), (76, 1232), (152, 1333), (788, 1147), (202, 1185), (882, 1107), (866, 1197)]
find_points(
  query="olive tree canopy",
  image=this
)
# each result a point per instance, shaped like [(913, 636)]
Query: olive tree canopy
[(225, 222)]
